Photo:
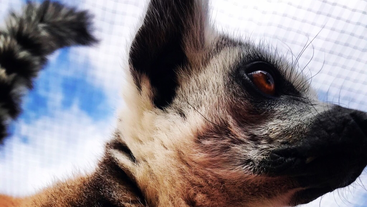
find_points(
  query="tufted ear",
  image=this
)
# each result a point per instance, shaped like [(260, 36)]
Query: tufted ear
[(173, 32)]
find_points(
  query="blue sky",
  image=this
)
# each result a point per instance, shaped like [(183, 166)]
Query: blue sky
[(76, 89), (72, 109)]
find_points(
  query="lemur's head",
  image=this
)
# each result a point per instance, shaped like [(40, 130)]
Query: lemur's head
[(214, 121)]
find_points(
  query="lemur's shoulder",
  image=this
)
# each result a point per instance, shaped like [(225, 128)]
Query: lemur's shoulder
[(7, 201), (108, 185)]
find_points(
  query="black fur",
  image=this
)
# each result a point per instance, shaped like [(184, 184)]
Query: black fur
[(26, 41), (157, 50)]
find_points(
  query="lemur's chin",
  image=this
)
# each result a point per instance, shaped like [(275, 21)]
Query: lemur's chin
[(315, 190), (308, 195)]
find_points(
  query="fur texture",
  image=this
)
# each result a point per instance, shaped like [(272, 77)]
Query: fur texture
[(199, 129), (25, 43)]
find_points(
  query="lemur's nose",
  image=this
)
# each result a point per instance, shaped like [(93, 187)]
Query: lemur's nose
[(331, 155), (360, 118), (337, 132)]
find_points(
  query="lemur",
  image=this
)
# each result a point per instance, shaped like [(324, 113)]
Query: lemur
[(210, 120)]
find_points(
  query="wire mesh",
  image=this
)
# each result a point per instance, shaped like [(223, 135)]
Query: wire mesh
[(71, 111)]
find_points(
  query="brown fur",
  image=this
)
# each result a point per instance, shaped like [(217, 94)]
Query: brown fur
[(195, 132), (107, 186), (7, 201)]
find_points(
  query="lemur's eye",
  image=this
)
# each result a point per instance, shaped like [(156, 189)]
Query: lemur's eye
[(261, 75), (263, 81)]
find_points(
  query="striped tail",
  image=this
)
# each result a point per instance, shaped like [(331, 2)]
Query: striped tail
[(26, 41)]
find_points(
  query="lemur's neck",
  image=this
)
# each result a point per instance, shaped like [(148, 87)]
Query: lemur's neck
[(115, 184)]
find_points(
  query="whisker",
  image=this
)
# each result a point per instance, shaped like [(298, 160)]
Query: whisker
[(319, 71), (340, 91), (289, 49), (309, 61), (302, 71), (320, 200), (203, 115), (307, 45), (301, 52)]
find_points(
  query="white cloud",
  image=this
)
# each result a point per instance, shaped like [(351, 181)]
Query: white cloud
[(49, 156), (6, 6), (115, 24), (67, 142)]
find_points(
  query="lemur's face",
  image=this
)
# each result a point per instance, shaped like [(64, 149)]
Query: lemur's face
[(222, 122)]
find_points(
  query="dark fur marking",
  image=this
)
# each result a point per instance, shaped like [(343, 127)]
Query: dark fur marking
[(106, 203), (22, 67), (9, 101), (108, 168), (117, 144), (165, 79), (181, 113), (109, 187), (159, 44)]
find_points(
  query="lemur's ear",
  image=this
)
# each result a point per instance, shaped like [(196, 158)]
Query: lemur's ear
[(173, 32)]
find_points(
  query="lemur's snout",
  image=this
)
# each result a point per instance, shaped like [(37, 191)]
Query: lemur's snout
[(332, 154)]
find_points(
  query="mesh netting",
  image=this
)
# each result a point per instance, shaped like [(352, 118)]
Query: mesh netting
[(71, 111)]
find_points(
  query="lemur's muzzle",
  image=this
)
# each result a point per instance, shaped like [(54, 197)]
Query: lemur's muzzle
[(331, 155)]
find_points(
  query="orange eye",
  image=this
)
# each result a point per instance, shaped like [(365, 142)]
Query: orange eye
[(263, 81)]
